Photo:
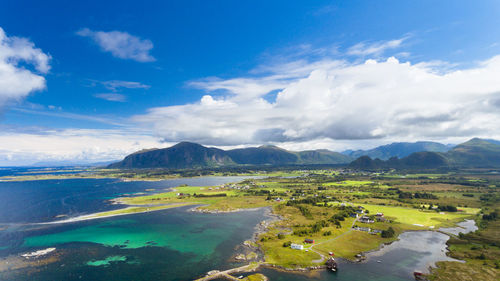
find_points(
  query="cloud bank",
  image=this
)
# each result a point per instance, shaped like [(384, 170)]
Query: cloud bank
[(121, 44), (75, 145), (334, 100), (16, 80)]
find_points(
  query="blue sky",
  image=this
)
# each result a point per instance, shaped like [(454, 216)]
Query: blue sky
[(104, 79)]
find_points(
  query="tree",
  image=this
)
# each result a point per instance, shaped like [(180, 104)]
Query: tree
[(389, 233)]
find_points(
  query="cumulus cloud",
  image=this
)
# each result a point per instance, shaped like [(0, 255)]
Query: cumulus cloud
[(16, 80), (329, 101), (76, 145), (121, 44)]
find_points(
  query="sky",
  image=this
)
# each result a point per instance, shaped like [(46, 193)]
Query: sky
[(92, 81)]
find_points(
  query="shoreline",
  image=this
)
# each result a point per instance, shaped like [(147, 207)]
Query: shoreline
[(121, 213)]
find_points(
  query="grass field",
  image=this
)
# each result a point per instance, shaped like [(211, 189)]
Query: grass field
[(413, 216)]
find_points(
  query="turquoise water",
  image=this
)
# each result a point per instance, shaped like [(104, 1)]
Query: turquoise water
[(107, 261), (195, 233), (173, 244)]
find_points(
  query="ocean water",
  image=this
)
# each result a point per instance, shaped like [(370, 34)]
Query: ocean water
[(43, 200), (172, 244)]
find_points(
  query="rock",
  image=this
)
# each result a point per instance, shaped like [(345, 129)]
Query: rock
[(240, 257)]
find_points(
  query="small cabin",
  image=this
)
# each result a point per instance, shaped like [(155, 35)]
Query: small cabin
[(310, 241), (297, 246), (366, 229), (366, 219)]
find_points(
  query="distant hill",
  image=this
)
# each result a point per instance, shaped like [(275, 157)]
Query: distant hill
[(477, 153), (323, 156), (192, 155), (398, 149)]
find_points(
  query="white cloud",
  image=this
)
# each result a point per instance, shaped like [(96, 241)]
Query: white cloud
[(16, 81), (111, 97), (377, 48), (116, 84), (121, 44), (330, 101), (76, 145)]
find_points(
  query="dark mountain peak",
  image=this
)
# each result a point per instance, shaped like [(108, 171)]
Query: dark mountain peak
[(479, 141), (270, 146), (179, 156), (145, 150), (184, 144)]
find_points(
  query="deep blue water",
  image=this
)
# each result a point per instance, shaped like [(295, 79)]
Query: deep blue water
[(43, 200)]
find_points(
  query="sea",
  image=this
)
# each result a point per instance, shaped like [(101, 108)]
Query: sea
[(171, 244)]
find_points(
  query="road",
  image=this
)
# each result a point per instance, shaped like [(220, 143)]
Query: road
[(329, 240)]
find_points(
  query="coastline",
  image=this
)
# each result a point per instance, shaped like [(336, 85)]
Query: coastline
[(119, 212)]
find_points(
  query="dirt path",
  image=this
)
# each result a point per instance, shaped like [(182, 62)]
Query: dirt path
[(226, 273), (329, 240)]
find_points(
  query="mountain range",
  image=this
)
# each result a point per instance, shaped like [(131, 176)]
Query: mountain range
[(473, 153), (193, 155), (399, 149)]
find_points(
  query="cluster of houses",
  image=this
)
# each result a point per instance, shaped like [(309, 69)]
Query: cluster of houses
[(367, 229), (231, 186), (367, 219), (300, 246)]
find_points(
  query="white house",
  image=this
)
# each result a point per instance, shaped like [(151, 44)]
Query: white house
[(297, 246)]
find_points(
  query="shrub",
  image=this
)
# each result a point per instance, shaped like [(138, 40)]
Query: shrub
[(389, 233)]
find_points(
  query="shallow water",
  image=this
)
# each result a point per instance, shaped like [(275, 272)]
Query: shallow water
[(172, 244), (463, 227)]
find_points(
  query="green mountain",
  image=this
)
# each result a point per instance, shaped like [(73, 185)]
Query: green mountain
[(179, 156), (475, 153), (266, 154), (192, 155), (323, 156), (398, 149), (417, 160)]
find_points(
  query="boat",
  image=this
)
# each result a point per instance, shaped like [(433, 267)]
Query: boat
[(419, 275), (331, 264)]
